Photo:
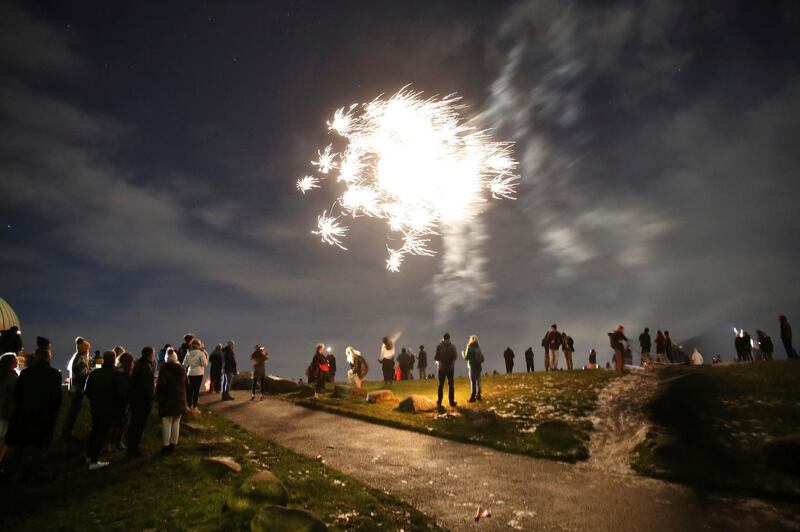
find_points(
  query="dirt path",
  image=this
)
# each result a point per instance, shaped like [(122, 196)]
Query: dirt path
[(448, 480)]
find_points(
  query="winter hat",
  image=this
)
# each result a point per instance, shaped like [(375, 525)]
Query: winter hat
[(41, 341), (82, 345)]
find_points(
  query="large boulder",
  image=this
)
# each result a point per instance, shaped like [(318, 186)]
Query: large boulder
[(280, 385), (265, 487), (279, 519), (417, 404), (380, 396), (225, 461), (783, 454), (479, 417)]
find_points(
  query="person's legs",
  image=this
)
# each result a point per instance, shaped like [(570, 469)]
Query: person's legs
[(175, 430), (102, 424), (195, 382), (263, 384), (618, 362), (72, 415), (253, 385), (568, 357), (478, 385), (166, 430), (472, 385), (139, 415), (452, 392), (442, 376), (421, 373)]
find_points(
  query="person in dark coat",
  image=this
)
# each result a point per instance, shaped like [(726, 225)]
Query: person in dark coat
[(529, 359), (259, 360), (553, 342), (37, 400), (738, 344), (660, 347), (765, 345), (215, 363), (185, 346), (318, 369), (229, 369), (592, 359), (546, 355), (446, 355), (79, 370), (422, 363), (141, 395), (11, 340), (747, 345), (568, 346), (645, 345), (618, 340), (171, 393), (404, 360), (331, 365), (103, 388), (786, 337), (668, 347), (124, 367), (508, 357)]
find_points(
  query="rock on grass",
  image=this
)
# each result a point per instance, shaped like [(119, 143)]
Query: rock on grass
[(266, 488), (279, 519)]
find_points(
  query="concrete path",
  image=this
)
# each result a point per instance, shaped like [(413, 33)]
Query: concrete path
[(448, 480)]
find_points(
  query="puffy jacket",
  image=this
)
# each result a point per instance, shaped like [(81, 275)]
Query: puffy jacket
[(196, 361)]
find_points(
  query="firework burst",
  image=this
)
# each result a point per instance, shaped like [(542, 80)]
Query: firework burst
[(413, 162)]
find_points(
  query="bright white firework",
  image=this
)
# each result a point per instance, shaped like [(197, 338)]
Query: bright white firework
[(415, 163), (306, 183)]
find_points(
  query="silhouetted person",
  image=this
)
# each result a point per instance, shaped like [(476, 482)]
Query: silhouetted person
[(229, 369), (386, 360), (318, 369), (105, 397), (738, 344), (8, 380), (553, 342), (446, 356), (422, 362), (122, 418), (37, 400), (546, 351), (592, 359), (259, 360), (185, 346), (660, 347), (331, 366), (786, 337), (668, 347), (568, 346), (765, 345), (215, 363), (508, 358), (747, 343), (141, 395), (644, 346), (618, 340), (79, 370), (171, 393), (404, 361), (529, 359), (11, 340)]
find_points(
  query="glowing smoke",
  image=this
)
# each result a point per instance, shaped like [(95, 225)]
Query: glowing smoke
[(414, 163)]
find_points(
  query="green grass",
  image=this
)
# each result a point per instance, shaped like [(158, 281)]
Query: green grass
[(711, 424), (522, 401), (180, 492)]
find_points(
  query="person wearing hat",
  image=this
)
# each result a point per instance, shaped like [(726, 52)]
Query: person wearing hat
[(78, 368), (37, 400)]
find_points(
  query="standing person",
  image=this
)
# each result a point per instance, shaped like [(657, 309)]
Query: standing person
[(195, 362), (508, 358), (592, 359), (215, 362), (171, 392), (529, 359), (229, 369), (747, 345), (446, 356), (618, 340), (474, 357), (696, 358), (765, 345), (738, 342), (37, 400), (669, 348), (78, 368), (546, 350), (786, 337), (122, 418), (8, 379), (102, 389), (553, 340), (644, 345), (259, 360), (185, 346), (318, 370), (162, 355), (661, 344), (411, 359), (141, 394), (404, 360), (568, 346), (358, 366), (386, 360), (422, 363), (331, 365)]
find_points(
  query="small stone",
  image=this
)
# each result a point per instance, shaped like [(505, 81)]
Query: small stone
[(226, 461), (278, 519)]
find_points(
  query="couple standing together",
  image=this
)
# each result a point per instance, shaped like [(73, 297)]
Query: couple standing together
[(446, 355)]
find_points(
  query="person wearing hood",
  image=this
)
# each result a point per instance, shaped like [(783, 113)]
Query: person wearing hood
[(141, 395), (8, 379), (474, 357), (171, 393), (358, 366), (78, 368), (195, 362), (37, 400), (696, 358), (259, 360), (105, 397), (446, 355), (185, 347), (386, 360)]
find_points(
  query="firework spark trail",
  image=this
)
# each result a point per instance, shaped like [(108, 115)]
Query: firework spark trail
[(413, 162)]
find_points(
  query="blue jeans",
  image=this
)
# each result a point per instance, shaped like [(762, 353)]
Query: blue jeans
[(227, 379), (474, 382)]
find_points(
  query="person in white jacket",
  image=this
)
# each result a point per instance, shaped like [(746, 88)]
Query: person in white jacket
[(195, 363), (697, 358)]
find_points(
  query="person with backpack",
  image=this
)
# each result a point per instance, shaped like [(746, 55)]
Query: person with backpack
[(446, 356), (358, 366), (474, 357)]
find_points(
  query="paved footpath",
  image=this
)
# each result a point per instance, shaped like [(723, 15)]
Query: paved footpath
[(448, 480)]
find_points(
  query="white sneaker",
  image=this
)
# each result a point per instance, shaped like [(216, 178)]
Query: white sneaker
[(97, 465)]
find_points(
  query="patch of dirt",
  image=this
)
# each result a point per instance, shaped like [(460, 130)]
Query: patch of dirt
[(620, 422)]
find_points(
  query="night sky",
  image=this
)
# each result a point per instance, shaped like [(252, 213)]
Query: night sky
[(148, 155)]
